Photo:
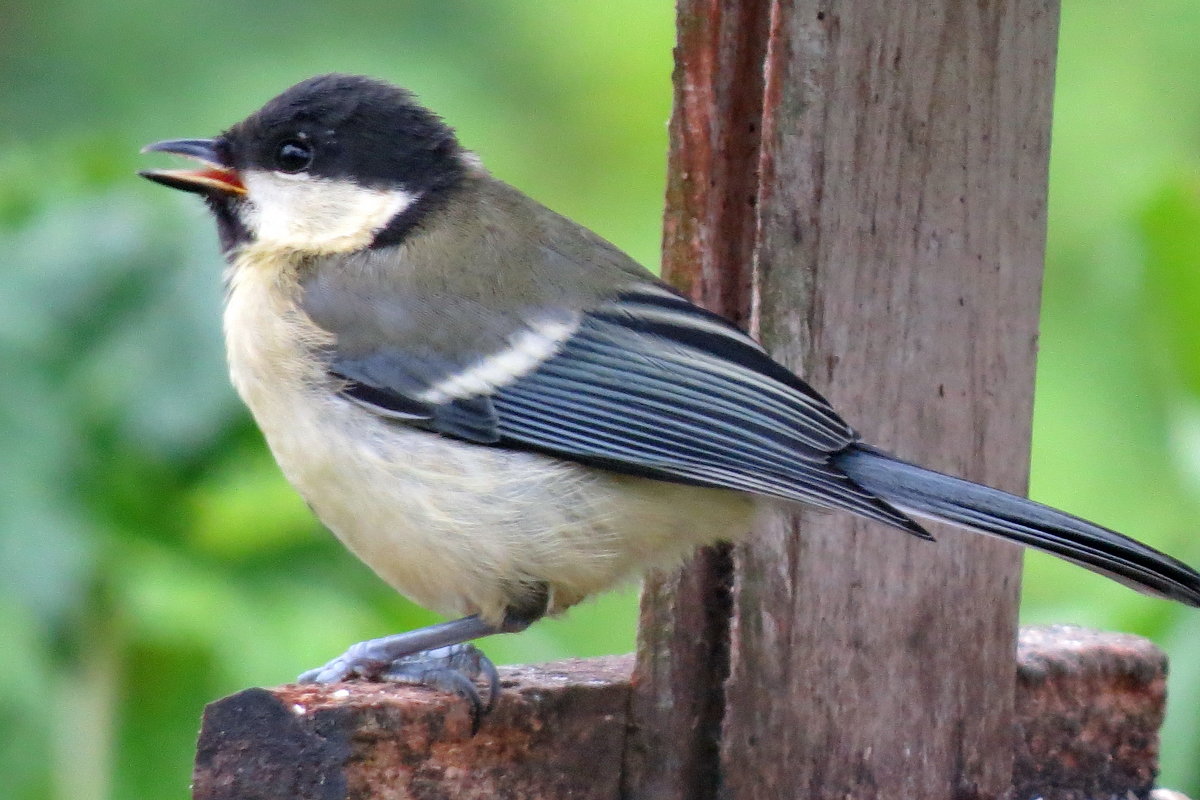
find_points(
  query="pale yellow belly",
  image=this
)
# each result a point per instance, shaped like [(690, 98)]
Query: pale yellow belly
[(459, 528)]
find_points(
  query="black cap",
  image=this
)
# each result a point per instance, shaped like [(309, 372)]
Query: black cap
[(347, 127)]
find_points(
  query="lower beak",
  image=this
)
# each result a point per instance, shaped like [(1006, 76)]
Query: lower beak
[(216, 177)]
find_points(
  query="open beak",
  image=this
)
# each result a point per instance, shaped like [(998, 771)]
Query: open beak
[(214, 177)]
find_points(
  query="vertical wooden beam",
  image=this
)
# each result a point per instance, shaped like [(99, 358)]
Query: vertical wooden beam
[(898, 177), (899, 256), (677, 703)]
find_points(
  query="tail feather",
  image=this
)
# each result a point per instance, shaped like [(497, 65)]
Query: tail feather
[(932, 495)]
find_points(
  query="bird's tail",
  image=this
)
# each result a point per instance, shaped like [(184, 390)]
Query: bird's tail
[(932, 495)]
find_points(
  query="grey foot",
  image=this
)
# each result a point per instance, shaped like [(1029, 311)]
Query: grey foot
[(370, 659), (454, 669)]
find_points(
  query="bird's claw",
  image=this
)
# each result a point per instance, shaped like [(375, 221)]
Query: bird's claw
[(452, 669)]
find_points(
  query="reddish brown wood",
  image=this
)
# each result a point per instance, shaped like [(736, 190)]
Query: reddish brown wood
[(1089, 705), (708, 237), (712, 183), (557, 732), (902, 223)]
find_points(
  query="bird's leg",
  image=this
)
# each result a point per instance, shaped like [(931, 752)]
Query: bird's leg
[(372, 658), (439, 656)]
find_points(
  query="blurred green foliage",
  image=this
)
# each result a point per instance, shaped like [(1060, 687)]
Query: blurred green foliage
[(151, 556)]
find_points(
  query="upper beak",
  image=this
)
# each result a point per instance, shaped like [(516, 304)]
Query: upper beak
[(216, 176)]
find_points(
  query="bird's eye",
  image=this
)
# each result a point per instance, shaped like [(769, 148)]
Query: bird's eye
[(293, 155)]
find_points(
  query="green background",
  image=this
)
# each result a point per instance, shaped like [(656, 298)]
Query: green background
[(152, 558)]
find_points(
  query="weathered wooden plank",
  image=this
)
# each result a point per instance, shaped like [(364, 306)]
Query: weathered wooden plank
[(898, 263), (1089, 705), (712, 187), (558, 731)]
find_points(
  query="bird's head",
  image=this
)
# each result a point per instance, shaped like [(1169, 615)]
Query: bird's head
[(336, 163)]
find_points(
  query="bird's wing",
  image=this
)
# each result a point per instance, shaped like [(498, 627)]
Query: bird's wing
[(647, 384)]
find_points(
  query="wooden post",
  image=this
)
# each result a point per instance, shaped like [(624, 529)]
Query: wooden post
[(900, 222), (712, 188)]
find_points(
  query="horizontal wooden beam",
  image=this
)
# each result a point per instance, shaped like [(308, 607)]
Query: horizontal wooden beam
[(1089, 705)]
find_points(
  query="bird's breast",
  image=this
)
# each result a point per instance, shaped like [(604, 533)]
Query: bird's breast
[(458, 527)]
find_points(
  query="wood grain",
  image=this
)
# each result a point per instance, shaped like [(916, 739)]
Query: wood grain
[(556, 732), (712, 188), (899, 259), (1088, 709)]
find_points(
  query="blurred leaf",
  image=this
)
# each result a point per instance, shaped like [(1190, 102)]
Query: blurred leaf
[(1171, 232), (25, 741), (245, 506), (1181, 733)]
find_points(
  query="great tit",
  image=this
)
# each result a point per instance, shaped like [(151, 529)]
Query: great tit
[(499, 411)]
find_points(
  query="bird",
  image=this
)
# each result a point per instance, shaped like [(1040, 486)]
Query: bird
[(499, 411)]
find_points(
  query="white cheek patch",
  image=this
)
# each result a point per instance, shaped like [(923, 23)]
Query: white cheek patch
[(318, 215)]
